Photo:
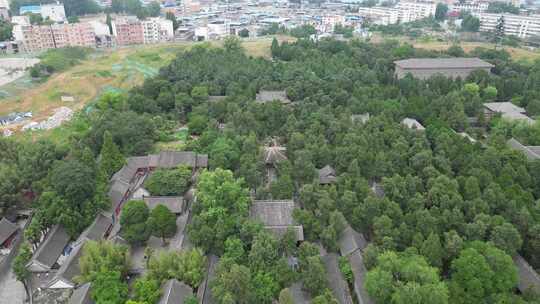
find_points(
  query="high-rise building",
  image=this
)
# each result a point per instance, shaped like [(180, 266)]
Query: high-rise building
[(128, 30), (34, 38), (157, 30), (76, 34)]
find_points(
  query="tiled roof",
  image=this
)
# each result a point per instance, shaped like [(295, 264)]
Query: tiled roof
[(351, 241), (51, 248), (7, 229), (81, 295), (175, 292), (174, 203), (446, 63), (327, 175), (528, 277)]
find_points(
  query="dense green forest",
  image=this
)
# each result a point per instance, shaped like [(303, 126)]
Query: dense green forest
[(453, 214)]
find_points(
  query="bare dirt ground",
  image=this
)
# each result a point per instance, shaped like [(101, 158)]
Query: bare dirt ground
[(14, 68)]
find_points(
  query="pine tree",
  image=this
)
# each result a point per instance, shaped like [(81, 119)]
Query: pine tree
[(109, 23), (275, 48), (111, 158), (432, 250), (19, 266)]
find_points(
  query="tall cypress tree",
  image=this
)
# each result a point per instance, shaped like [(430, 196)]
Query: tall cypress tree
[(275, 49), (111, 158)]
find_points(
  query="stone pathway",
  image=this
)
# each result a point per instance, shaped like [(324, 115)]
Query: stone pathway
[(11, 290)]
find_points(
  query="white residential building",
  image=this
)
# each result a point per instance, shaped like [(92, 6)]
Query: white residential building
[(474, 7), (53, 11), (403, 12), (157, 30), (20, 20), (410, 11), (100, 28), (380, 15), (330, 21), (517, 25), (218, 29)]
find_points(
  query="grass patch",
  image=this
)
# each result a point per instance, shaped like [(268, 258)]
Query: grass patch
[(169, 146), (54, 95), (104, 73), (181, 135)]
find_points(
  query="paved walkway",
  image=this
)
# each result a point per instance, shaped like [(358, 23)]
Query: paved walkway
[(11, 290)]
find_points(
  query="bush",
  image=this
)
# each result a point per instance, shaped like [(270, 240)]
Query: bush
[(346, 269), (169, 182), (58, 60)]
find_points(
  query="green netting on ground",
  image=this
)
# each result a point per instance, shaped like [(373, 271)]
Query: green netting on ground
[(16, 87)]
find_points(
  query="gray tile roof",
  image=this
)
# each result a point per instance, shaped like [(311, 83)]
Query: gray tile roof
[(377, 189), (81, 295), (216, 98), (118, 190), (276, 216), (70, 268), (273, 213), (509, 111), (504, 107), (279, 231), (175, 292), (359, 273), (274, 155), (531, 152), (97, 230), (300, 296), (171, 159), (327, 175), (125, 174), (51, 248), (351, 241), (138, 162), (412, 124), (165, 159), (528, 277), (204, 293), (267, 96), (362, 118), (7, 229), (336, 282), (174, 203), (443, 63)]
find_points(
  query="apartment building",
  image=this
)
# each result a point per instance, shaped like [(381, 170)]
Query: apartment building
[(157, 29), (517, 25), (403, 12), (474, 7), (330, 21), (380, 15), (128, 30), (76, 34), (411, 11), (34, 38)]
